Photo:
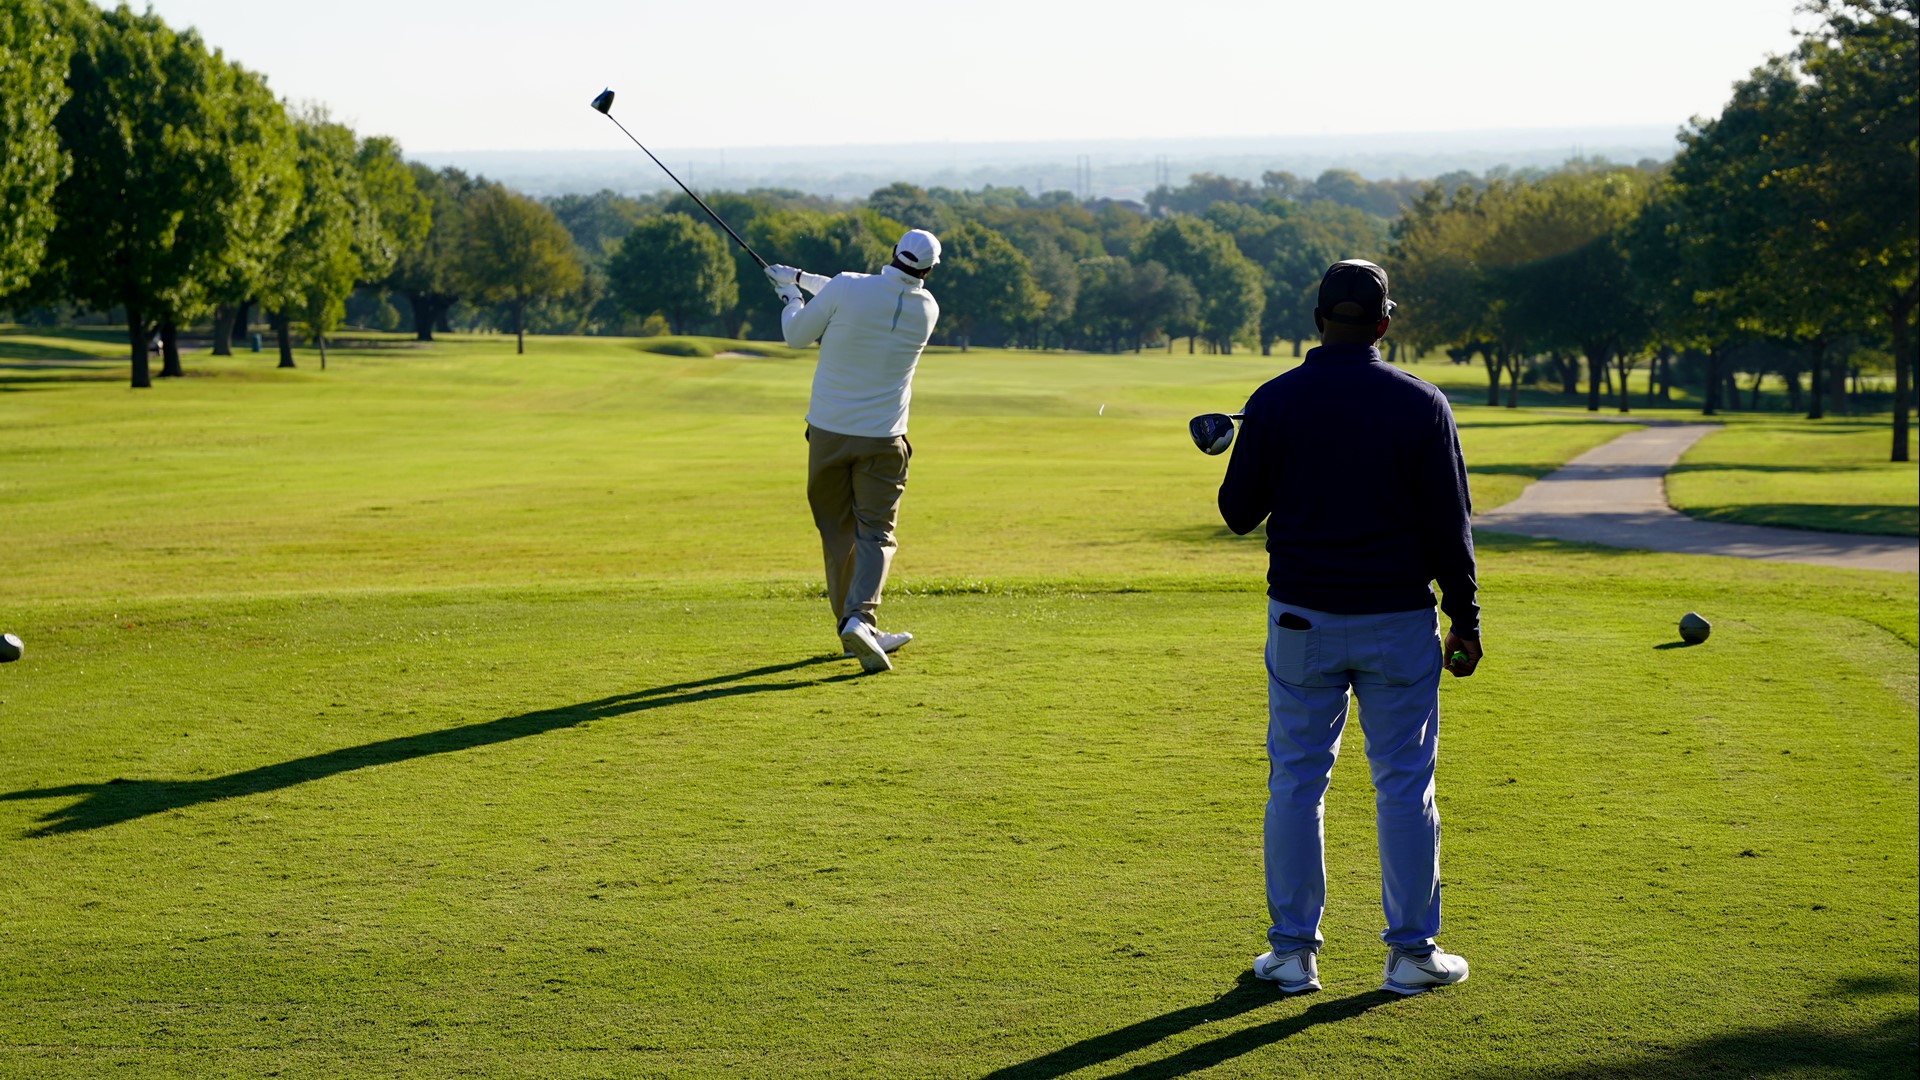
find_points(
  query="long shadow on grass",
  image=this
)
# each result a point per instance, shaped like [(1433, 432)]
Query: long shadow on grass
[(1247, 995), (120, 800), (1885, 1048)]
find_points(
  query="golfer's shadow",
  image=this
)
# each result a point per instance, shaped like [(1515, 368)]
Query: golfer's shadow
[(1247, 995), (120, 800)]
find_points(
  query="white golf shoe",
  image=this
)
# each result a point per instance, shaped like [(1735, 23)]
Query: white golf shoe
[(1297, 971), (889, 643), (862, 643), (1407, 974)]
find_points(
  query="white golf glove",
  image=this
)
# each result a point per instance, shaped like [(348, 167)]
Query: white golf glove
[(790, 275), (788, 294)]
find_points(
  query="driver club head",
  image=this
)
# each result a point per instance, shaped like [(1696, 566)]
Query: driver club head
[(1212, 432), (604, 103)]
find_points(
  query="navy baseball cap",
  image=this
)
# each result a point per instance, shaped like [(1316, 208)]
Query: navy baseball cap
[(1354, 292)]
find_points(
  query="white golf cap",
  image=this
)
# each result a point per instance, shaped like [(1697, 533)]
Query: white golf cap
[(918, 248)]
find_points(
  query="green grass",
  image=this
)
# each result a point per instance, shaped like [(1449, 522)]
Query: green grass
[(453, 714), (1804, 474)]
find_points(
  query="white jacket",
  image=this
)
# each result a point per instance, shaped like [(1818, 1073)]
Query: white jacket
[(871, 329)]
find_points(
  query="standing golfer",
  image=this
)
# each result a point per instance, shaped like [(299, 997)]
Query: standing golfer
[(1356, 468), (871, 329)]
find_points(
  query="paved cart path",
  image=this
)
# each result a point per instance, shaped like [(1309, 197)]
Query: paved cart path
[(1616, 495)]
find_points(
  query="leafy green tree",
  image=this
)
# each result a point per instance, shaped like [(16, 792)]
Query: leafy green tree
[(1851, 179), (1160, 302), (1230, 287), (427, 273), (673, 266), (36, 45), (1558, 261), (257, 223), (513, 251), (160, 174), (321, 255), (1442, 288), (395, 215), (912, 207), (983, 281), (1103, 304)]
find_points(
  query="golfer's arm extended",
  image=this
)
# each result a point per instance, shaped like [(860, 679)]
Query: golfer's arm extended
[(802, 324)]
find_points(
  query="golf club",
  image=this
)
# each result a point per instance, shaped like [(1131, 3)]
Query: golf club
[(1212, 432), (604, 104)]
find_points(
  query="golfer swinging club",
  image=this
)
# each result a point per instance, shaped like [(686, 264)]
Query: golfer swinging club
[(1356, 468), (871, 329)]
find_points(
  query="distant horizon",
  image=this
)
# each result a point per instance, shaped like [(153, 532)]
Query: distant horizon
[(1089, 168), (621, 145)]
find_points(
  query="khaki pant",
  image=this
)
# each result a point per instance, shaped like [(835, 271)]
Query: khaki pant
[(854, 485)]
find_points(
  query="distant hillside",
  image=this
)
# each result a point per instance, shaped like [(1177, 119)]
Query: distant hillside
[(1124, 169)]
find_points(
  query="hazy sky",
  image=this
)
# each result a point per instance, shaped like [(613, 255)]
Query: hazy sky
[(482, 74)]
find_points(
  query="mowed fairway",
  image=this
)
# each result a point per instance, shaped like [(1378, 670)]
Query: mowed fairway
[(457, 714)]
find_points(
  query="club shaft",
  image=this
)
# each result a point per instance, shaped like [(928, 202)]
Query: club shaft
[(703, 205)]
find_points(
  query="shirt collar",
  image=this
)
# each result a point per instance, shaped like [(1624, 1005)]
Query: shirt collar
[(901, 277), (1342, 354)]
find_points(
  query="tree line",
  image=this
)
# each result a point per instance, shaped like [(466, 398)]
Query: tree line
[(1781, 239), (149, 176)]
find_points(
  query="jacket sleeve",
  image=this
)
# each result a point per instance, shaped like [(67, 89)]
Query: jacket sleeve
[(1246, 494), (803, 323), (1446, 517)]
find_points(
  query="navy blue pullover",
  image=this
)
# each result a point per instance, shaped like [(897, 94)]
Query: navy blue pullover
[(1356, 468)]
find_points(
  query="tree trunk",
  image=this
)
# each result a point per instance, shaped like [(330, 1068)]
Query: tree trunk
[(519, 335), (1753, 397), (223, 330), (1296, 348), (137, 339), (1490, 359), (1597, 357), (1666, 373), (321, 341), (1793, 394), (169, 350), (422, 316), (1266, 346), (1836, 389), (283, 329), (1510, 359), (1710, 401), (1816, 359), (1898, 314), (1733, 388), (1189, 344), (1623, 364)]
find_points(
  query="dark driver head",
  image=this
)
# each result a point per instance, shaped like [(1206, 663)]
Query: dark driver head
[(604, 102), (1212, 432)]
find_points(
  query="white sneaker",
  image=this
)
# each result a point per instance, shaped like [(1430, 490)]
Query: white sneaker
[(863, 644), (1295, 971), (889, 643), (1407, 974)]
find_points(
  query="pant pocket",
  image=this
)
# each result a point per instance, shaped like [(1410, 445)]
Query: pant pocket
[(1409, 646), (1290, 653)]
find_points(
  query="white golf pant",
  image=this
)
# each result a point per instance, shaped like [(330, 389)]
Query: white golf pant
[(1392, 665)]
